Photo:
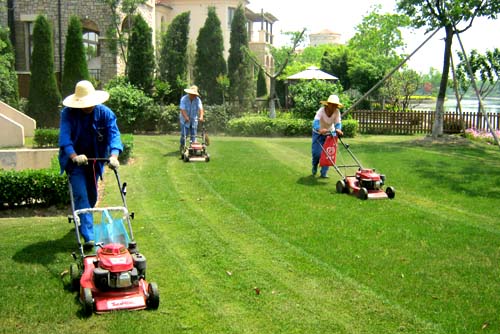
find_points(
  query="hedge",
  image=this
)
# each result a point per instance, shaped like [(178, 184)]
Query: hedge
[(262, 126), (42, 187)]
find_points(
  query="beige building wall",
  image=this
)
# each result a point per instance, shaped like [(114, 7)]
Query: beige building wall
[(12, 134), (28, 123), (27, 158), (198, 16)]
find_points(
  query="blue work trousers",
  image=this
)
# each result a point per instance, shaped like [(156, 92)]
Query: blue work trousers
[(188, 129), (84, 185), (317, 141)]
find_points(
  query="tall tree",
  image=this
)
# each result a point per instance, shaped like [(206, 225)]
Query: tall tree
[(141, 55), (239, 65), (173, 55), (115, 34), (44, 96), (336, 62), (377, 40), (261, 83), (285, 57), (75, 63), (209, 60), (446, 14), (9, 92)]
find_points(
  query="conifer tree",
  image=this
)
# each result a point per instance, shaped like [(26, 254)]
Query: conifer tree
[(241, 86), (261, 84), (75, 63), (173, 56), (141, 61), (9, 91), (44, 97), (209, 60)]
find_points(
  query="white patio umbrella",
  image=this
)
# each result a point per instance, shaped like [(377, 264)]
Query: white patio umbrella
[(312, 73)]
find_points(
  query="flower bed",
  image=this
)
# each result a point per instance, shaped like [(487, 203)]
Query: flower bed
[(481, 135)]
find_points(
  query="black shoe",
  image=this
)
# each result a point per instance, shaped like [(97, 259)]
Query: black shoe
[(88, 245)]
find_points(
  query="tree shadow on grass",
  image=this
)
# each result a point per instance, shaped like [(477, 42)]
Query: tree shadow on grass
[(311, 180), (46, 253), (173, 154)]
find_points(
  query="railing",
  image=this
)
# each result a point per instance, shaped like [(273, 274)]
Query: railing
[(420, 121)]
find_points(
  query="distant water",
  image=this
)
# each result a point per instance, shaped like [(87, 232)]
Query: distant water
[(491, 104)]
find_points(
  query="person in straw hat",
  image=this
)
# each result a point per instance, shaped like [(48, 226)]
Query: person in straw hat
[(88, 130), (191, 111), (326, 121)]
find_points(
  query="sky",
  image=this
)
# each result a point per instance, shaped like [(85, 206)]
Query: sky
[(343, 16)]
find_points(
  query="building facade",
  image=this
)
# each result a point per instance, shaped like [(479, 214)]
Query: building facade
[(96, 18)]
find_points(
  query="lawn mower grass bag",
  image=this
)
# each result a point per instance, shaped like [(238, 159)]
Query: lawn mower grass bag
[(111, 230), (329, 152)]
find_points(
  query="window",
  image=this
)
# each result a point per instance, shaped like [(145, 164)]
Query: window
[(28, 42), (230, 16), (91, 44)]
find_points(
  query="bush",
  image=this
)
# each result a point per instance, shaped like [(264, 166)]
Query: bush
[(350, 128), (43, 187), (265, 126), (128, 146), (308, 94), (131, 106), (217, 117), (169, 118), (46, 138)]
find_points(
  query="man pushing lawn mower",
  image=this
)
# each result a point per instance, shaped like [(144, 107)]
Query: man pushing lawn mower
[(327, 123), (88, 130), (191, 112)]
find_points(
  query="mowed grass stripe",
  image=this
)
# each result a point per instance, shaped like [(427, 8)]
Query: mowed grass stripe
[(425, 233), (237, 233)]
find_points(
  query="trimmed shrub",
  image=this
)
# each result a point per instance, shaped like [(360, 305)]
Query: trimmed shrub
[(265, 126), (217, 117), (43, 187), (350, 128), (128, 146), (46, 138), (130, 105), (169, 119)]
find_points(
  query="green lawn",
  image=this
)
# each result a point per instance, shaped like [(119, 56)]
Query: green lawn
[(251, 243)]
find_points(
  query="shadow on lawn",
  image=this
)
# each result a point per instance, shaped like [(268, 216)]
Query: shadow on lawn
[(46, 252), (443, 172), (173, 154), (311, 180)]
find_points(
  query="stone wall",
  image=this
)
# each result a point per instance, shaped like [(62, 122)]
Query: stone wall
[(58, 13)]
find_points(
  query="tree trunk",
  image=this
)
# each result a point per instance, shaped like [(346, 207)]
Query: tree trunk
[(272, 96), (437, 128)]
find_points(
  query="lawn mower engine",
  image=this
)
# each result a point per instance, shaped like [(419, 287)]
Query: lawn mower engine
[(117, 268), (370, 180), (196, 150)]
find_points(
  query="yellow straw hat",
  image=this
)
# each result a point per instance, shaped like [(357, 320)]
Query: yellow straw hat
[(85, 96)]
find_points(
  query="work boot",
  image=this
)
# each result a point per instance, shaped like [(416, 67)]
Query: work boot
[(88, 245), (314, 170)]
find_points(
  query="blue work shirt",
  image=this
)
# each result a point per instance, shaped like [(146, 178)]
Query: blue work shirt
[(192, 108), (96, 135)]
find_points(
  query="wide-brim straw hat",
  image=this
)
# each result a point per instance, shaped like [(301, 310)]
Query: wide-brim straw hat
[(192, 90), (334, 99), (85, 96)]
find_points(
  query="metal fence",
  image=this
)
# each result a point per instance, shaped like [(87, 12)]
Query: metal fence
[(420, 121)]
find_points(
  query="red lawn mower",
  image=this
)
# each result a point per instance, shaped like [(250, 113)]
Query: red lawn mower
[(114, 278), (195, 151), (365, 183)]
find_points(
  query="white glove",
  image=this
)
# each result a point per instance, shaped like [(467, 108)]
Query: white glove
[(80, 160), (113, 163)]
